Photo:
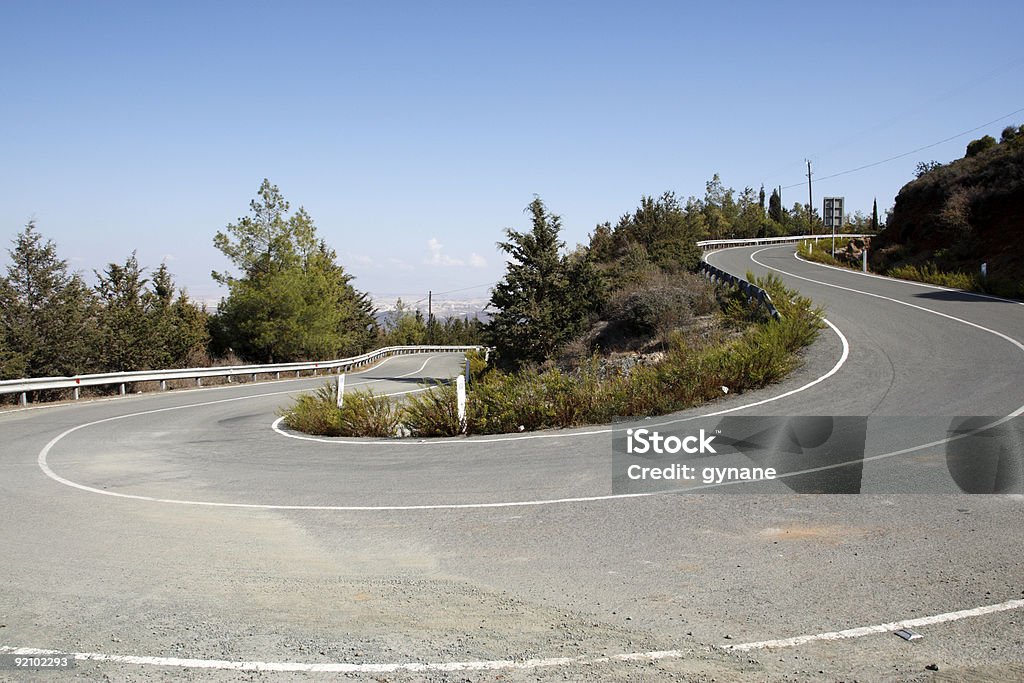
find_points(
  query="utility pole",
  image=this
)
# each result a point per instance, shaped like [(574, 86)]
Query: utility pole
[(810, 200), (430, 316)]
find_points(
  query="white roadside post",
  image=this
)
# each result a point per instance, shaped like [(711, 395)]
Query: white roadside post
[(984, 270), (864, 259), (460, 396), (341, 389)]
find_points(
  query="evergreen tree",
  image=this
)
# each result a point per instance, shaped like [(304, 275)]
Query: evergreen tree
[(775, 207), (181, 333), (874, 216), (544, 300), (292, 300), (128, 340), (49, 315)]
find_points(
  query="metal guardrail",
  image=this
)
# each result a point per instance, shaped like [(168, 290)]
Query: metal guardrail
[(23, 386), (752, 291), (719, 244)]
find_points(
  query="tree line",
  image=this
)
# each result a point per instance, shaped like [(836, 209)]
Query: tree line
[(288, 299), (550, 296), (54, 324)]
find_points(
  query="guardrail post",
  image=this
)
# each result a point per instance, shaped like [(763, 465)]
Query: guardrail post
[(460, 397)]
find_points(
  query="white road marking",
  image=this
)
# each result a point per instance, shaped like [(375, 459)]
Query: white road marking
[(581, 499), (1013, 341), (500, 664), (44, 453), (883, 628), (926, 285), (571, 434)]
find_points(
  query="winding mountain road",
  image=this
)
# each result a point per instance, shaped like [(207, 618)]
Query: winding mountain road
[(186, 535)]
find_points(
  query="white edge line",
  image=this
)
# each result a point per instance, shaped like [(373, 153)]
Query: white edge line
[(915, 283), (1013, 341), (523, 664), (276, 426), (843, 357), (44, 453), (882, 628)]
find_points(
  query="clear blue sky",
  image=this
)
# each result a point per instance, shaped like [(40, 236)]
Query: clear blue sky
[(415, 132)]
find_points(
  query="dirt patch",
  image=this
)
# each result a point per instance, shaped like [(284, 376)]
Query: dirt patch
[(833, 535)]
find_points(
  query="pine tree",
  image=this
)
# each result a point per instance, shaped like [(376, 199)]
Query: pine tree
[(291, 299), (874, 216), (128, 340), (49, 315), (544, 299)]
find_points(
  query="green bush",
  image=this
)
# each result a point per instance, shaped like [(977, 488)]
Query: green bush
[(434, 412), (363, 414), (929, 273), (819, 255), (658, 303), (315, 413)]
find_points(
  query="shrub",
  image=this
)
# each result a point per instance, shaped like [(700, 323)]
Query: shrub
[(315, 413), (434, 412), (819, 254), (658, 303), (930, 274), (363, 414)]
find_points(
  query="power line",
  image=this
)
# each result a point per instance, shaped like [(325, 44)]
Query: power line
[(453, 291), (973, 82), (906, 154), (465, 289)]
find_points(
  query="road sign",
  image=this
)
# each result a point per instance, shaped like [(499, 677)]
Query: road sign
[(833, 213)]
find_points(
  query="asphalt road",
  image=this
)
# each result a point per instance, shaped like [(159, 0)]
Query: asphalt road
[(183, 529)]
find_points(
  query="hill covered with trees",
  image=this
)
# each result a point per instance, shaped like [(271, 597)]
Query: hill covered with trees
[(954, 217)]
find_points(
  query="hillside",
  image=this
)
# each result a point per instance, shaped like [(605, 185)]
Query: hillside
[(959, 215)]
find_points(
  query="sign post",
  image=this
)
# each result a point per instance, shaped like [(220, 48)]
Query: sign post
[(833, 217)]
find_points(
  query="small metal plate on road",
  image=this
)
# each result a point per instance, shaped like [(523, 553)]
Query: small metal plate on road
[(907, 634)]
